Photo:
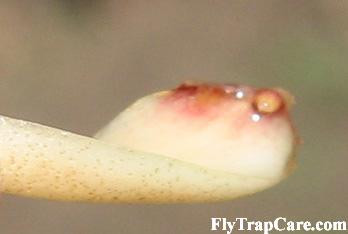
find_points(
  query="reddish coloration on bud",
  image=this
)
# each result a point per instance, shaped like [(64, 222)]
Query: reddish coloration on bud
[(243, 109), (204, 94), (197, 98), (207, 99)]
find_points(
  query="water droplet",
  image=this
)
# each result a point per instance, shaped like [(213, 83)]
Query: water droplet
[(256, 117), (239, 94)]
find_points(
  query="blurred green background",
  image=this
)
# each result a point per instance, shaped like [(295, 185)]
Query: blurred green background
[(74, 64)]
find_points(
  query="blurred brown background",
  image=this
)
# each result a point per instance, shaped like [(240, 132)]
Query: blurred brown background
[(74, 64)]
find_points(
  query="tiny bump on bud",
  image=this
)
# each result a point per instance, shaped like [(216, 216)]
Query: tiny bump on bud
[(268, 101)]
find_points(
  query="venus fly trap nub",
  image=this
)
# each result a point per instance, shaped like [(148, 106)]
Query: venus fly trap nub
[(196, 143)]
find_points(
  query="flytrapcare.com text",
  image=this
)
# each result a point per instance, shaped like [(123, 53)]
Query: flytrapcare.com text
[(279, 224)]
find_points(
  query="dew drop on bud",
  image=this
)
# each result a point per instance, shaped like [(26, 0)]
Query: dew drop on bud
[(268, 101)]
